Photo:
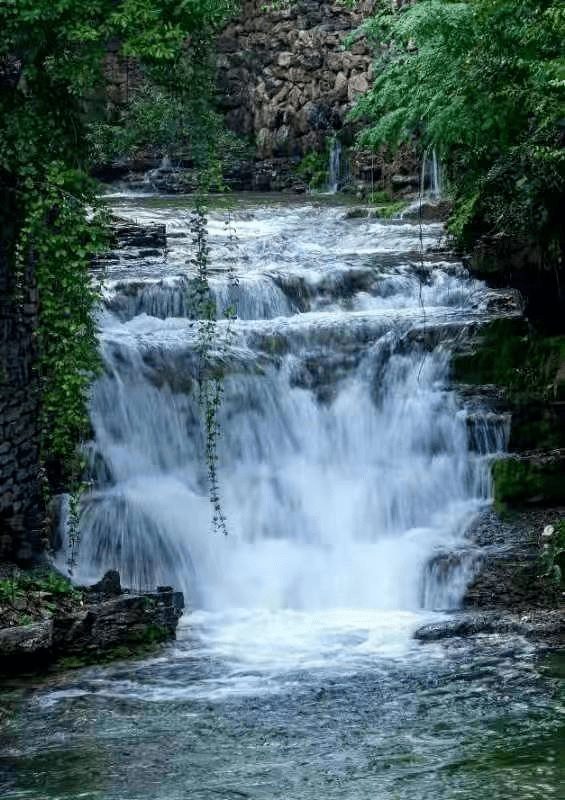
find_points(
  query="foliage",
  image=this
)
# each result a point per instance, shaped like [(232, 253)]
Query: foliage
[(210, 382), (23, 584), (380, 197), (51, 57), (58, 238), (171, 112), (553, 555), (313, 168), (483, 82), (391, 210)]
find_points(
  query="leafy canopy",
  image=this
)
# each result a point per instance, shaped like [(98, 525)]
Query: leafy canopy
[(51, 63), (483, 82)]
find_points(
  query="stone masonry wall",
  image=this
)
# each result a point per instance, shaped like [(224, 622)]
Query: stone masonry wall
[(285, 77), (286, 83), (20, 497)]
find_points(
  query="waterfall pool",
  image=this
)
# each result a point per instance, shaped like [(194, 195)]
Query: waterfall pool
[(344, 468)]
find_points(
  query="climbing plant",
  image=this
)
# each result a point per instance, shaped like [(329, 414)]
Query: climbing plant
[(59, 237), (51, 225)]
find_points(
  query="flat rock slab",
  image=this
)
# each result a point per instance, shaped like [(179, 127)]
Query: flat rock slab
[(542, 626), (26, 639), (93, 629), (132, 234)]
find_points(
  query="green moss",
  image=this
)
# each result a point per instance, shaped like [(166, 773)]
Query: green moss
[(536, 426), (139, 643), (380, 197), (275, 345), (520, 482), (391, 210), (357, 213), (313, 169), (149, 634), (512, 354), (530, 368)]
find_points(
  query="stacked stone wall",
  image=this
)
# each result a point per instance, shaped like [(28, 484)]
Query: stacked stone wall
[(20, 497), (285, 78), (286, 82)]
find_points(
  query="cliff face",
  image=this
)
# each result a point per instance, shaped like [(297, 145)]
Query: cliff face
[(285, 78)]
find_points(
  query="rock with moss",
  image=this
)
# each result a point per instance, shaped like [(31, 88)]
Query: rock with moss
[(528, 479), (47, 621)]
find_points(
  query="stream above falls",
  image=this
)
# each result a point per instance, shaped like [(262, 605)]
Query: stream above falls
[(345, 469)]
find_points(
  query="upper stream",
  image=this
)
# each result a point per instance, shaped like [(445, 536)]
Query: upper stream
[(347, 468)]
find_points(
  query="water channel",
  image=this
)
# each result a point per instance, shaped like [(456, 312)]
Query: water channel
[(345, 469)]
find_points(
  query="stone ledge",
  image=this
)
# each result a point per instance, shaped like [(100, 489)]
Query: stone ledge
[(92, 630), (546, 627), (131, 234)]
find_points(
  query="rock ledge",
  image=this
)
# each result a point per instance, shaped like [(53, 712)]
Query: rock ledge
[(107, 619)]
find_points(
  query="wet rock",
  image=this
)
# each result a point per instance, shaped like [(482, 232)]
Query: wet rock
[(503, 260), (130, 234), (428, 211), (98, 621), (126, 620), (23, 641), (108, 586), (511, 573), (541, 626)]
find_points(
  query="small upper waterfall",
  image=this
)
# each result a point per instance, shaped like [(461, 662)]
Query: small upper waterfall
[(334, 165), (344, 458), (430, 181)]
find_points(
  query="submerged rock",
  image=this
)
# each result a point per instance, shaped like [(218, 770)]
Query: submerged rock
[(509, 594), (131, 234)]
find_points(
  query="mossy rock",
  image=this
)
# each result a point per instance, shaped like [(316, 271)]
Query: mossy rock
[(357, 213), (274, 345), (520, 482), (537, 426), (149, 634), (530, 370), (511, 354)]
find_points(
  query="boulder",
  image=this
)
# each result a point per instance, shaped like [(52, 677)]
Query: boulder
[(90, 628)]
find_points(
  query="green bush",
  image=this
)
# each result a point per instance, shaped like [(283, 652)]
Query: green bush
[(313, 169), (553, 555), (482, 82)]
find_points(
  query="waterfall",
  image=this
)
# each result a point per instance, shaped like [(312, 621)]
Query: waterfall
[(334, 165), (430, 180), (344, 460)]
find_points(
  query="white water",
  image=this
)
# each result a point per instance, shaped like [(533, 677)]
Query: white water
[(344, 462), (334, 165), (430, 180)]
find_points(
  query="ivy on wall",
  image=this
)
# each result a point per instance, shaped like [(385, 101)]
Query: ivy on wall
[(59, 237), (51, 55)]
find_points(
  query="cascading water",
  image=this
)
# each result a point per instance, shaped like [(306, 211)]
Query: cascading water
[(334, 165), (430, 181), (348, 472), (344, 462)]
